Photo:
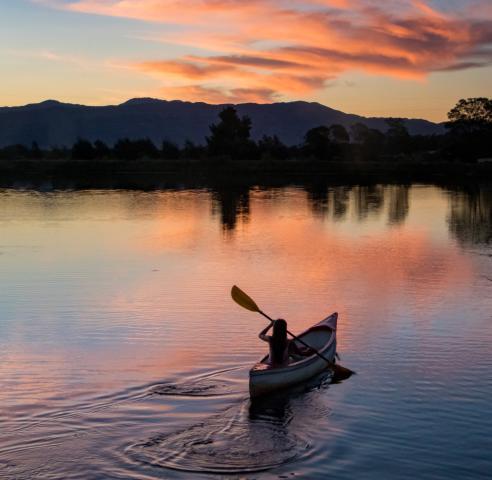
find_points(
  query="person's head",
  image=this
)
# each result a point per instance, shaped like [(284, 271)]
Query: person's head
[(280, 330)]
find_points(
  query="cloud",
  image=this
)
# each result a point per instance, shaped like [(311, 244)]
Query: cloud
[(184, 69), (294, 47), (218, 95)]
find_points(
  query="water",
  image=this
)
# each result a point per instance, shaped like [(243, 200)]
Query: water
[(122, 355)]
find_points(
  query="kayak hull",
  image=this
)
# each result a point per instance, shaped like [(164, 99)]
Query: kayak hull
[(265, 379)]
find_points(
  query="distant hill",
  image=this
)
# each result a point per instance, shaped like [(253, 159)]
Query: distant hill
[(53, 123)]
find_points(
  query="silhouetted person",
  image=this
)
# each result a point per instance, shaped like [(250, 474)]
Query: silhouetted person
[(280, 346)]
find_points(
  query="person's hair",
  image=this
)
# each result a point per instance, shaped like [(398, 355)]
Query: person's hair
[(279, 339)]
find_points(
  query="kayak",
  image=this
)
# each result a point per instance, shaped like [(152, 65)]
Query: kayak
[(264, 379)]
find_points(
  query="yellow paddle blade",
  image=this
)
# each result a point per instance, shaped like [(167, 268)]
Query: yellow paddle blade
[(244, 300)]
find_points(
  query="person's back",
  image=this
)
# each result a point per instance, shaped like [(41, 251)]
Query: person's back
[(278, 343)]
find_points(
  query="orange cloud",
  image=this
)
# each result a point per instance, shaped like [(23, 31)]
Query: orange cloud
[(264, 48)]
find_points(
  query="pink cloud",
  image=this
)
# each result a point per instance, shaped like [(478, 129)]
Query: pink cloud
[(198, 93), (293, 47)]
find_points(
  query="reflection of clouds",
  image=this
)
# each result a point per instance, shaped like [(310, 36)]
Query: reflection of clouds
[(316, 254), (285, 247), (24, 379), (140, 323), (33, 378)]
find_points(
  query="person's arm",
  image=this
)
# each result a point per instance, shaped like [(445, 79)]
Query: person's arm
[(263, 334)]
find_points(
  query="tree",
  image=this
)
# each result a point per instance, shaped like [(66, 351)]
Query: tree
[(470, 128), (271, 146), (190, 150), (17, 151), (146, 148), (36, 152), (83, 150), (473, 112), (369, 141), (359, 132), (318, 142), (102, 150), (169, 150), (231, 136), (124, 149), (339, 134), (397, 136), (127, 149)]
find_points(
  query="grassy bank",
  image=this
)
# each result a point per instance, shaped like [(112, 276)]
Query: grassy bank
[(116, 173)]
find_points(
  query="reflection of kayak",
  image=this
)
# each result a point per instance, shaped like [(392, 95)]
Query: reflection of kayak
[(263, 378)]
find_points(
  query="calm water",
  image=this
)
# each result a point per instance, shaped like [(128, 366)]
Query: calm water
[(122, 355)]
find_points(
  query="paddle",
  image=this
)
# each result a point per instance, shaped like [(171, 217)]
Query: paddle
[(248, 303)]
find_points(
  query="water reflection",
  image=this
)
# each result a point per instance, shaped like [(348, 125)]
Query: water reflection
[(246, 437), (328, 202), (231, 204), (368, 199), (470, 218), (128, 291), (399, 203), (470, 215)]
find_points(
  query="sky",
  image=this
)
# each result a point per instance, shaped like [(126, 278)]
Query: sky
[(409, 58)]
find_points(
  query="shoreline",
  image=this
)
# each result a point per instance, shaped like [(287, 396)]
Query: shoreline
[(74, 174)]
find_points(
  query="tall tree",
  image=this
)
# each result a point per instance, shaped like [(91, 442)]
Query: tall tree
[(271, 146), (231, 136), (397, 136), (127, 149), (318, 142), (369, 141), (102, 150), (470, 128), (169, 150), (83, 150), (477, 109), (359, 132), (339, 134)]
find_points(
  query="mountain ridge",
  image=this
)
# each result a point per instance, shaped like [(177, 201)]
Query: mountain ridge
[(54, 123)]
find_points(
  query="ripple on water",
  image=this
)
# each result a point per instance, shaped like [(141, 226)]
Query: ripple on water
[(214, 384), (247, 437), (233, 441), (201, 388)]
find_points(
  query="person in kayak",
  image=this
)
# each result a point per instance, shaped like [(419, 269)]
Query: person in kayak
[(280, 346)]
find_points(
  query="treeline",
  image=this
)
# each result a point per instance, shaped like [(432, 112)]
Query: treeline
[(467, 138)]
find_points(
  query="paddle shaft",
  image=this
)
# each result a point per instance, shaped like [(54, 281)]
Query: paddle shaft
[(300, 341)]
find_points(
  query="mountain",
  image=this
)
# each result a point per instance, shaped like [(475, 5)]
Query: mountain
[(52, 123)]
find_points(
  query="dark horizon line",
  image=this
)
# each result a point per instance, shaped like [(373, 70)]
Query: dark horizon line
[(153, 99)]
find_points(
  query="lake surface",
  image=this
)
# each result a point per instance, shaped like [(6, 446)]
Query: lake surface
[(123, 356)]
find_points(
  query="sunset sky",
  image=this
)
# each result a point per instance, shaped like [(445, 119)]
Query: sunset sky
[(412, 58)]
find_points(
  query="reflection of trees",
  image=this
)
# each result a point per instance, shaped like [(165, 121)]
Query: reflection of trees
[(328, 202), (333, 202), (340, 202), (398, 203), (368, 199), (470, 218), (231, 203), (317, 195)]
